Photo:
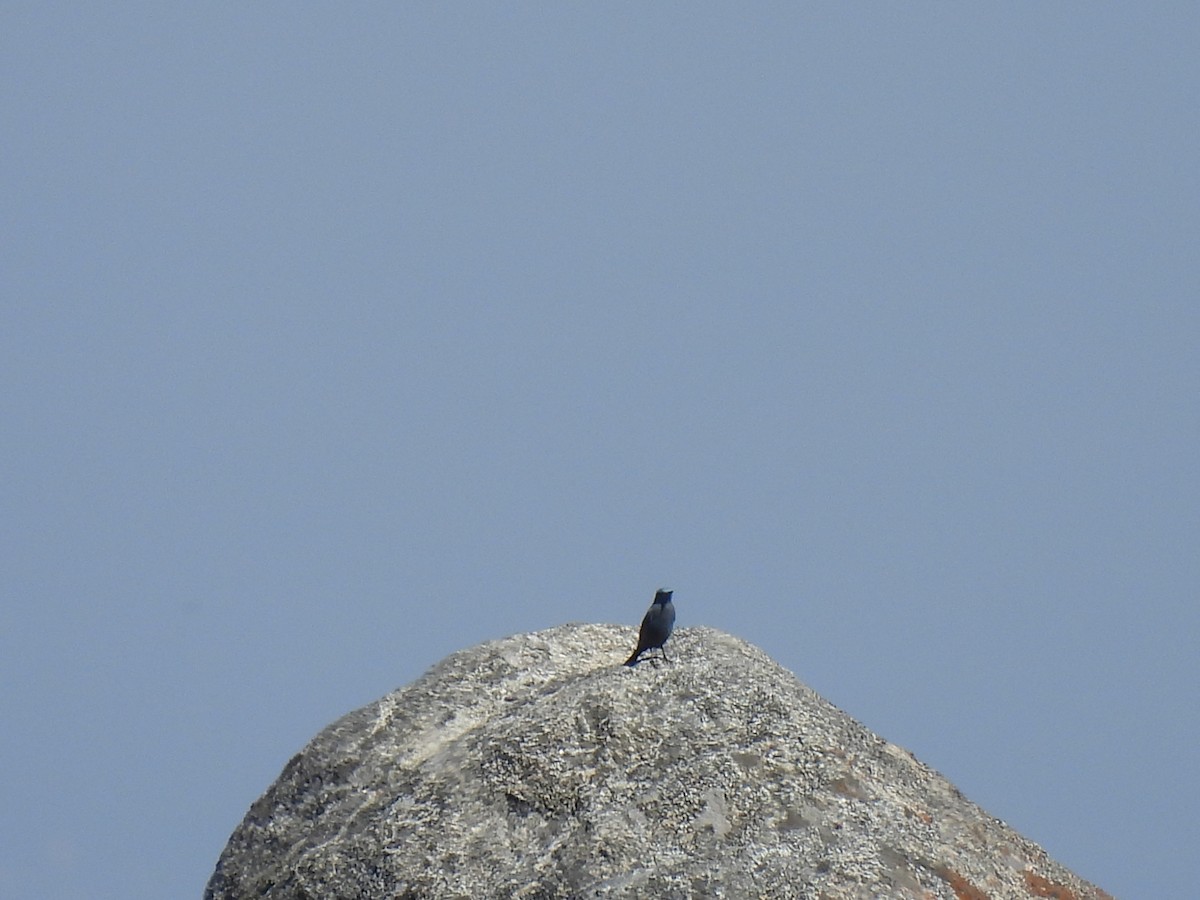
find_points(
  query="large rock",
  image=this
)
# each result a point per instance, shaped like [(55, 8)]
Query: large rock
[(538, 766)]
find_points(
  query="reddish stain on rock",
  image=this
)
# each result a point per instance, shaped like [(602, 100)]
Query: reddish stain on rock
[(962, 888)]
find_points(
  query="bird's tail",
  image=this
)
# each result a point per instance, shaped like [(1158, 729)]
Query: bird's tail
[(634, 657)]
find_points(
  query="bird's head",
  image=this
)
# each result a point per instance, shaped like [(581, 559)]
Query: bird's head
[(662, 595)]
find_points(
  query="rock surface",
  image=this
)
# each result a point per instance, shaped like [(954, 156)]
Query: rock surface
[(538, 766)]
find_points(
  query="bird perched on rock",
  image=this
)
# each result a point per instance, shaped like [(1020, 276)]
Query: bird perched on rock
[(656, 626)]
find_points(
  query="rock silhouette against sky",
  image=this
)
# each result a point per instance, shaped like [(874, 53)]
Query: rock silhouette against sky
[(539, 766)]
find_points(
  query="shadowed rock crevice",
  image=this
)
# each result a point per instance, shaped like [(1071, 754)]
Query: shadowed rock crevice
[(538, 766)]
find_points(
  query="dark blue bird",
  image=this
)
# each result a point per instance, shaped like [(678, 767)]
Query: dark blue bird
[(656, 626)]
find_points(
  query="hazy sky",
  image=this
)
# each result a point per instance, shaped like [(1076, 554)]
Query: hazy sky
[(338, 338)]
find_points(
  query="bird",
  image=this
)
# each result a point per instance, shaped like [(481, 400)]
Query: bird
[(656, 626)]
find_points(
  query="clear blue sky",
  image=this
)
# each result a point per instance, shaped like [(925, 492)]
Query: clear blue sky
[(337, 338)]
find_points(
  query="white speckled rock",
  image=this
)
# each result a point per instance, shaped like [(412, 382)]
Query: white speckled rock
[(538, 766)]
